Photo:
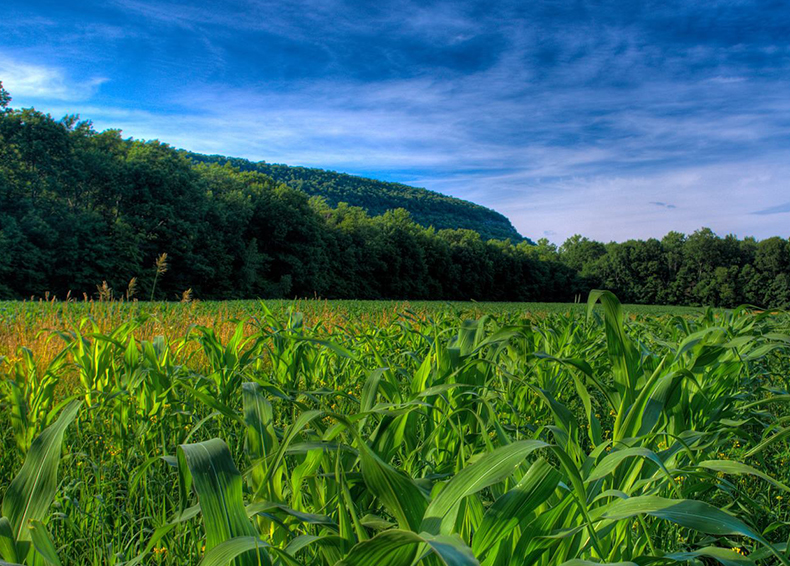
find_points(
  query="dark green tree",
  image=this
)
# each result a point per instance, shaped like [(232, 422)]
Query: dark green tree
[(5, 98)]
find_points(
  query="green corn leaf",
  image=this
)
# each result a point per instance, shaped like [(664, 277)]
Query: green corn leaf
[(261, 439), (334, 347), (613, 460), (210, 468), (228, 551), (652, 400), (290, 435), (161, 531), (397, 491), (783, 433), (515, 506), (736, 468), (725, 556), (31, 492), (43, 544), (697, 515), (213, 403), (7, 544), (623, 356), (301, 516), (304, 541), (370, 389), (398, 548), (376, 523), (488, 470)]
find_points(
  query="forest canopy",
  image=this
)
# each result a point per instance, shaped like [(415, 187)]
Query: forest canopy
[(427, 208), (81, 209)]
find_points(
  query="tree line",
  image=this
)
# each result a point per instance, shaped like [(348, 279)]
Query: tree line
[(79, 208), (85, 213), (699, 269)]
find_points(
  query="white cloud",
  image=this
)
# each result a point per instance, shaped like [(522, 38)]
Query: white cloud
[(721, 196), (43, 82)]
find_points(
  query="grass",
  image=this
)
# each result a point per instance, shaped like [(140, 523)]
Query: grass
[(351, 432)]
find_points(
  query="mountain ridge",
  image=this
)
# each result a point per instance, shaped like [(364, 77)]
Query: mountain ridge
[(427, 207)]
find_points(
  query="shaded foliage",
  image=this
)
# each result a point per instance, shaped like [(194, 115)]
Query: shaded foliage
[(698, 269)]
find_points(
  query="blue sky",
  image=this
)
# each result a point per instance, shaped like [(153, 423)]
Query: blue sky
[(616, 120)]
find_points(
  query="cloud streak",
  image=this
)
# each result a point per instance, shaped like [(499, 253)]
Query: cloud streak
[(778, 209), (663, 204), (43, 82)]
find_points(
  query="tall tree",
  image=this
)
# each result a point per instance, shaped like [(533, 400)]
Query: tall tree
[(5, 98)]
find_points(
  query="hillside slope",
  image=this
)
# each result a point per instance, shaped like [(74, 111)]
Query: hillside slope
[(427, 208)]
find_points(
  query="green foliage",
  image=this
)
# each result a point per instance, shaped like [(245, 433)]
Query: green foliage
[(700, 269), (28, 498), (29, 394), (427, 208), (5, 98), (572, 436), (84, 214), (209, 468)]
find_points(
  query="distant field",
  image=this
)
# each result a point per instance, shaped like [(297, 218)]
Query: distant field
[(30, 324), (12, 310), (22, 321)]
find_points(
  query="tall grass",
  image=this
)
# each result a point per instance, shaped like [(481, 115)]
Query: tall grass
[(426, 436)]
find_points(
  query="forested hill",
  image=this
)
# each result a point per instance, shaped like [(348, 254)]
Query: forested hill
[(93, 214), (427, 208)]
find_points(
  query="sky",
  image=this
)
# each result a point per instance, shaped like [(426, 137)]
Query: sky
[(615, 120)]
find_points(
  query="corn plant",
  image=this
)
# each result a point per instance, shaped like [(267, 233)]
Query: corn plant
[(434, 437), (29, 394), (23, 535)]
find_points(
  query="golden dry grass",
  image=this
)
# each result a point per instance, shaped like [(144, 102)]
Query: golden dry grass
[(34, 324)]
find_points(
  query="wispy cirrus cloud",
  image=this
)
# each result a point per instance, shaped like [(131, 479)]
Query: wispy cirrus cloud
[(44, 82)]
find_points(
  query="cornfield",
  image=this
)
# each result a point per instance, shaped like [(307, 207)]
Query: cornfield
[(425, 436)]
